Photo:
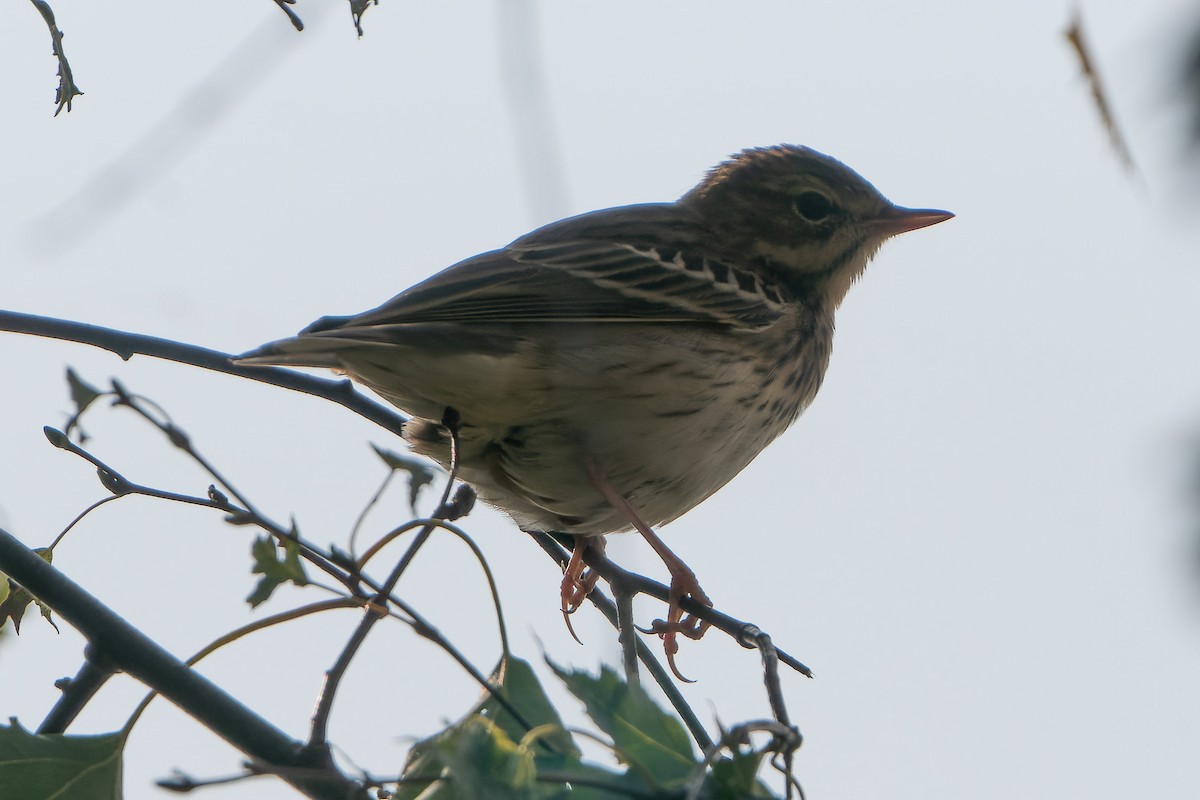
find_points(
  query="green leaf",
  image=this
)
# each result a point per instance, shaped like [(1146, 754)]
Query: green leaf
[(521, 688), (485, 763), (736, 777), (58, 766), (14, 599), (429, 758), (274, 570), (474, 760), (420, 472), (642, 733)]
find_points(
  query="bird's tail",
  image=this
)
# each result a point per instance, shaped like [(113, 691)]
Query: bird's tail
[(298, 351)]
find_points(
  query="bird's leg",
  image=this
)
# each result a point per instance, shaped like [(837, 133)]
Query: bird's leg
[(683, 580), (578, 581)]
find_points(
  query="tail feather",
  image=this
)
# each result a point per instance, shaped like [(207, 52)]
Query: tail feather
[(299, 351)]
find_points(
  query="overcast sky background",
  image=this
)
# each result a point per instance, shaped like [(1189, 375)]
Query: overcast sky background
[(980, 536)]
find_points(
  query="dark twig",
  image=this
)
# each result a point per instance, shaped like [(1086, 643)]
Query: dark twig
[(314, 555), (178, 437), (784, 738), (285, 7), (126, 345), (377, 609), (131, 651), (120, 486), (787, 738), (626, 630), (67, 90)]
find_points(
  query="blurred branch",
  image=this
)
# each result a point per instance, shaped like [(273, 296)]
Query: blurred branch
[(539, 152), (1191, 85), (285, 7), (188, 118), (1087, 64)]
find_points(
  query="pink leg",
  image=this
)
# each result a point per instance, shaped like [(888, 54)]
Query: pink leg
[(683, 580)]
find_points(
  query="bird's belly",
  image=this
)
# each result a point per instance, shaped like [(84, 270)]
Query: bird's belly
[(666, 424)]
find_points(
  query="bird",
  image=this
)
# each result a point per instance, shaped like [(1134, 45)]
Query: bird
[(612, 370)]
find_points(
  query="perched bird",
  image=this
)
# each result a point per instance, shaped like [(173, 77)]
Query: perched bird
[(612, 370)]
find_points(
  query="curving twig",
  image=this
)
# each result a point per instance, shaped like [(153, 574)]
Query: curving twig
[(67, 90)]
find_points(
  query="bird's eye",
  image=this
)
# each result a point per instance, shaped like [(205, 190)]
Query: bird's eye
[(812, 206)]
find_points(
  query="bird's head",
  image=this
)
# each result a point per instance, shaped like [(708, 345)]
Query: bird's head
[(808, 218)]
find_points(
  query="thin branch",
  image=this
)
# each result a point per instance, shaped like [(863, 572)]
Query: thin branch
[(126, 345), (449, 527), (246, 630), (333, 678), (315, 556), (120, 486)]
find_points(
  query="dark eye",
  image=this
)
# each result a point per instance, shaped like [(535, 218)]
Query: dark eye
[(813, 206)]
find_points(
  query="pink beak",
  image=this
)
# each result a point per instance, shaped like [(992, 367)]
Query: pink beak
[(898, 219)]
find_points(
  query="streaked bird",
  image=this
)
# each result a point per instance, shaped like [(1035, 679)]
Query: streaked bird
[(614, 369)]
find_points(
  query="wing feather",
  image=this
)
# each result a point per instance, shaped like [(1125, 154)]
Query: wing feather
[(640, 264)]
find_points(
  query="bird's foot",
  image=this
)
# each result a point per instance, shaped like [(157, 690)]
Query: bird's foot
[(683, 584), (578, 582)]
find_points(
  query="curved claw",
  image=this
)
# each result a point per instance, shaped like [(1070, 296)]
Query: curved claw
[(683, 584), (577, 584)]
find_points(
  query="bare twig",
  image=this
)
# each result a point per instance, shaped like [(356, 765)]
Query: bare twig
[(352, 577), (333, 677), (67, 90), (120, 486)]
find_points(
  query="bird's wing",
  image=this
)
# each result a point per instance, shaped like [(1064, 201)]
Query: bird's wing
[(560, 274)]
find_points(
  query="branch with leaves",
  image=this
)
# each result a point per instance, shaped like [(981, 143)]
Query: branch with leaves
[(282, 555)]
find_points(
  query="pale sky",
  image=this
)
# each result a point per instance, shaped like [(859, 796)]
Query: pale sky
[(979, 537)]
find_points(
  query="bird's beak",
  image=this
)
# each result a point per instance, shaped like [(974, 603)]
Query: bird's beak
[(898, 219)]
